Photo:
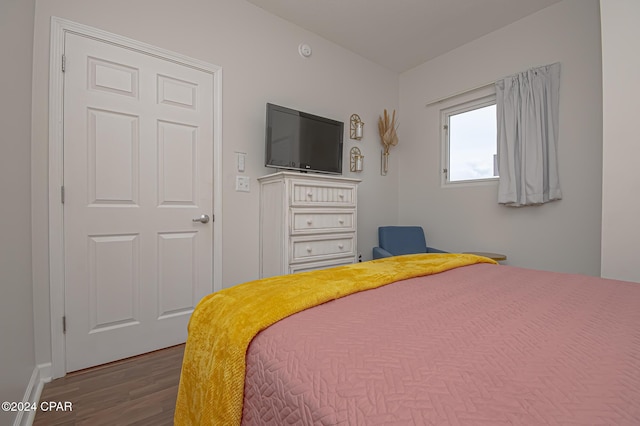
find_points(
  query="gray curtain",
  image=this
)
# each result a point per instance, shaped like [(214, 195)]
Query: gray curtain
[(527, 116)]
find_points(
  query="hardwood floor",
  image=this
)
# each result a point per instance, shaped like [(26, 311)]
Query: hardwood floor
[(141, 390)]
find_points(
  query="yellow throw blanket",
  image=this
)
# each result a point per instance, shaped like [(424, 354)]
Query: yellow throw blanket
[(223, 324)]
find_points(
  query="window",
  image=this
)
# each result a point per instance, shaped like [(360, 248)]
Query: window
[(470, 141)]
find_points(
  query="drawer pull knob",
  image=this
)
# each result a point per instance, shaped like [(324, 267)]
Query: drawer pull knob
[(341, 195), (340, 246), (340, 221), (308, 249), (309, 221), (309, 194)]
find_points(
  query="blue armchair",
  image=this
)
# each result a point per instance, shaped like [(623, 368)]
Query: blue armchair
[(398, 240)]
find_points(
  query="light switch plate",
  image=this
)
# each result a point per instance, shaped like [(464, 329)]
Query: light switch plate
[(241, 158), (243, 183)]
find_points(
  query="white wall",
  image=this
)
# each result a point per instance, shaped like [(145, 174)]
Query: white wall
[(620, 180), (17, 359), (560, 236), (258, 53)]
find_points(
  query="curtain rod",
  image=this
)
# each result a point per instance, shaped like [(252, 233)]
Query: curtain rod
[(473, 89)]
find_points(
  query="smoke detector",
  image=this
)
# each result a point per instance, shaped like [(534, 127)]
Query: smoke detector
[(304, 50)]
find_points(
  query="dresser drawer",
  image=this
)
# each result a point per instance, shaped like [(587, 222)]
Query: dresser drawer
[(322, 247), (304, 221), (314, 266), (304, 193)]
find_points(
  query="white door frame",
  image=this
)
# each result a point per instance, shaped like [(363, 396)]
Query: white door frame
[(59, 27)]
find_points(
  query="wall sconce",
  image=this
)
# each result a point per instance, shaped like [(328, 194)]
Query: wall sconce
[(357, 127), (357, 160)]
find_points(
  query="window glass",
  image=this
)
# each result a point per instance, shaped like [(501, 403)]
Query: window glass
[(470, 139)]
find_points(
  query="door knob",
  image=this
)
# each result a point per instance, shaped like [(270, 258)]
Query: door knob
[(204, 219)]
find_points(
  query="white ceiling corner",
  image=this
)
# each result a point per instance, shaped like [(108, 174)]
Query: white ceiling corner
[(401, 34)]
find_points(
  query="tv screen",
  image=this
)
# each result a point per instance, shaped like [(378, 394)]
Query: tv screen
[(296, 140)]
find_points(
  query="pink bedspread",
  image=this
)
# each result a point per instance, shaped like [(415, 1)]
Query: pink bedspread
[(477, 345)]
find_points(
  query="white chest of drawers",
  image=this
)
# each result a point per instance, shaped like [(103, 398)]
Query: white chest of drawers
[(307, 222)]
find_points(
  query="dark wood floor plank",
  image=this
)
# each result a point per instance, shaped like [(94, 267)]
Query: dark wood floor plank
[(140, 390)]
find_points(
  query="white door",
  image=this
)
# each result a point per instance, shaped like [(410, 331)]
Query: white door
[(138, 168)]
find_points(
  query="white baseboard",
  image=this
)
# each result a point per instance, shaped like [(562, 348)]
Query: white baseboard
[(45, 372), (41, 375)]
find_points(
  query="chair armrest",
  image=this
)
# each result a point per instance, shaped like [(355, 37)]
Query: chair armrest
[(435, 250), (379, 253)]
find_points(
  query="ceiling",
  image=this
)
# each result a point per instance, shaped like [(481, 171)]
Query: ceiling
[(401, 34)]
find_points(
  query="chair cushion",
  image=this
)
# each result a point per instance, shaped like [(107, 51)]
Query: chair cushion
[(399, 240)]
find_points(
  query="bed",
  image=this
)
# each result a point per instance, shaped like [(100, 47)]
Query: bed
[(418, 339)]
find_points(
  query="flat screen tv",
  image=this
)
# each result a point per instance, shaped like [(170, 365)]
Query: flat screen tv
[(296, 140)]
